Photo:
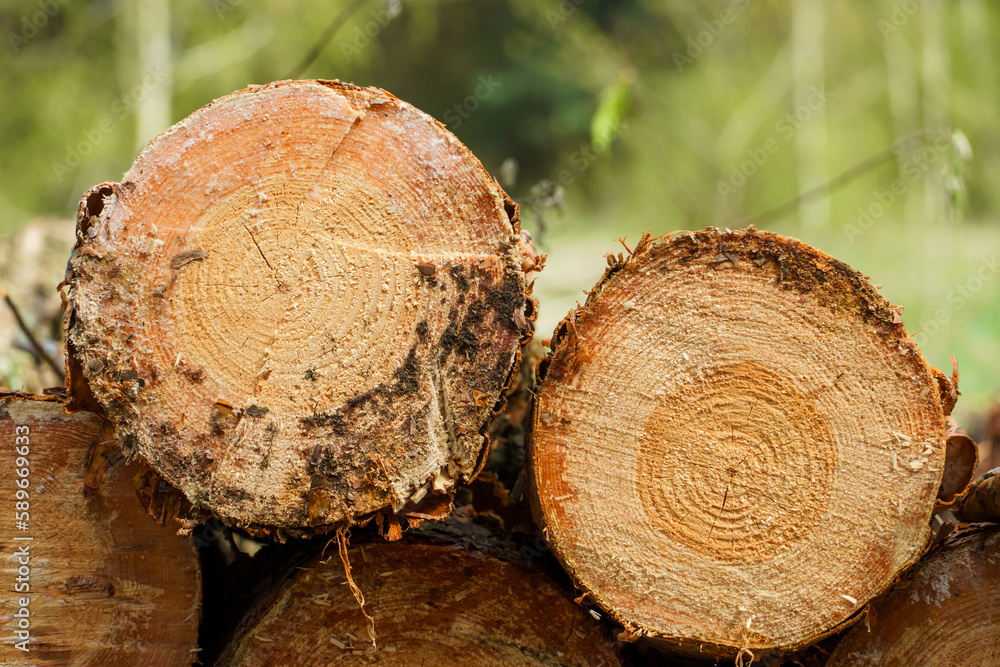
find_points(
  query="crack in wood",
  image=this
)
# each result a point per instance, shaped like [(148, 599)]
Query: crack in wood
[(254, 239)]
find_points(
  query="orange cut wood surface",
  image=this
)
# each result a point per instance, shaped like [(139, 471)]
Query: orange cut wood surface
[(302, 305), (735, 444)]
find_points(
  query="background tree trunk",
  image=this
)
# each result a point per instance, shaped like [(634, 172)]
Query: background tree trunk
[(989, 445)]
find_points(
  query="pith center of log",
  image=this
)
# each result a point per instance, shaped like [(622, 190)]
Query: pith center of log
[(752, 487)]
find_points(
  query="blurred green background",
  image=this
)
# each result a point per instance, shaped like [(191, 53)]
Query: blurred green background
[(867, 129)]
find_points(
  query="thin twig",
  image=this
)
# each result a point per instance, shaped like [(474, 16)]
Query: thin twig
[(335, 25), (343, 535), (35, 345), (904, 145)]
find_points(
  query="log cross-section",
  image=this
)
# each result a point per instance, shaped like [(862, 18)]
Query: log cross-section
[(735, 444), (302, 305)]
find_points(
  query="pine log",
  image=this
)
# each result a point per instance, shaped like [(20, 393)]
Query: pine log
[(989, 445), (431, 603), (735, 444), (104, 584), (961, 459), (302, 305), (981, 503), (945, 614)]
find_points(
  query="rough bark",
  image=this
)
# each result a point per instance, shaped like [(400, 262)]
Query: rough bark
[(989, 446), (432, 603), (981, 503), (735, 444), (107, 585), (508, 428), (946, 614), (961, 459), (302, 305)]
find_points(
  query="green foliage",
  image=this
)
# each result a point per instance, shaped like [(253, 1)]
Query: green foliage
[(610, 114), (956, 171)]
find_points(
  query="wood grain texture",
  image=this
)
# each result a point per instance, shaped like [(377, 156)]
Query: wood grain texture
[(302, 305), (432, 605), (735, 443), (108, 586), (946, 614)]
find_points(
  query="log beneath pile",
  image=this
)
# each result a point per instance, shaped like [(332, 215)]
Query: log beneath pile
[(946, 614), (103, 583), (735, 443), (302, 305), (432, 604)]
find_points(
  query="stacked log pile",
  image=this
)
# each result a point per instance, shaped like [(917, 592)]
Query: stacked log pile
[(296, 366)]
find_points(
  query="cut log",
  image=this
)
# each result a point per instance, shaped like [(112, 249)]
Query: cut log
[(302, 305), (989, 445), (981, 503), (961, 459), (102, 583), (432, 604), (946, 614), (735, 444)]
